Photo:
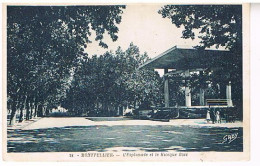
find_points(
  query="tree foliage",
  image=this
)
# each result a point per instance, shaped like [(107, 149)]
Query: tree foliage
[(103, 84), (218, 25), (44, 43)]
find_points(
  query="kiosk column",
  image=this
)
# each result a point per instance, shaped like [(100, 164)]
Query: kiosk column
[(228, 94), (166, 89), (187, 89)]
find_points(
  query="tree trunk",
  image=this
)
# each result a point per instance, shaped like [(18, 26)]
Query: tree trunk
[(31, 112), (40, 111), (43, 111), (14, 108), (35, 109), (21, 115), (47, 111), (21, 109), (27, 117)]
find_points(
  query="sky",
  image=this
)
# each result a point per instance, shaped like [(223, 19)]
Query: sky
[(142, 25)]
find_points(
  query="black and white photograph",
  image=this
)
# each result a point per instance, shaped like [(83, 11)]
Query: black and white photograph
[(119, 82)]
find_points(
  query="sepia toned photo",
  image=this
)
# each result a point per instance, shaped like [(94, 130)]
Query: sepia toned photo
[(126, 82)]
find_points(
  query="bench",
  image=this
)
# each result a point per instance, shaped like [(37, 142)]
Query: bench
[(217, 102)]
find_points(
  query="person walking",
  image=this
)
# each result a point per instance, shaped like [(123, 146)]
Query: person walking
[(218, 118), (208, 116)]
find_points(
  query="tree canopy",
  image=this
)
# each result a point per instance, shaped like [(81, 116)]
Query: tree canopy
[(103, 85), (218, 25), (43, 45)]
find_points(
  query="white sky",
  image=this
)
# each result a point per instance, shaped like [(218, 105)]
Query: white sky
[(142, 25)]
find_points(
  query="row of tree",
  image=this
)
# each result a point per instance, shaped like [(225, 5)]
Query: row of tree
[(44, 43), (103, 84)]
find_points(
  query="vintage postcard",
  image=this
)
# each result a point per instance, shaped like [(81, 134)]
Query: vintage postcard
[(126, 82)]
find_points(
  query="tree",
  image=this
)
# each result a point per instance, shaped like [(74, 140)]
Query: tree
[(143, 85), (218, 25), (215, 25), (44, 43), (104, 84)]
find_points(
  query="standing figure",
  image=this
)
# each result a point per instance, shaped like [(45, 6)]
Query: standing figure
[(218, 118), (212, 116), (208, 116)]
